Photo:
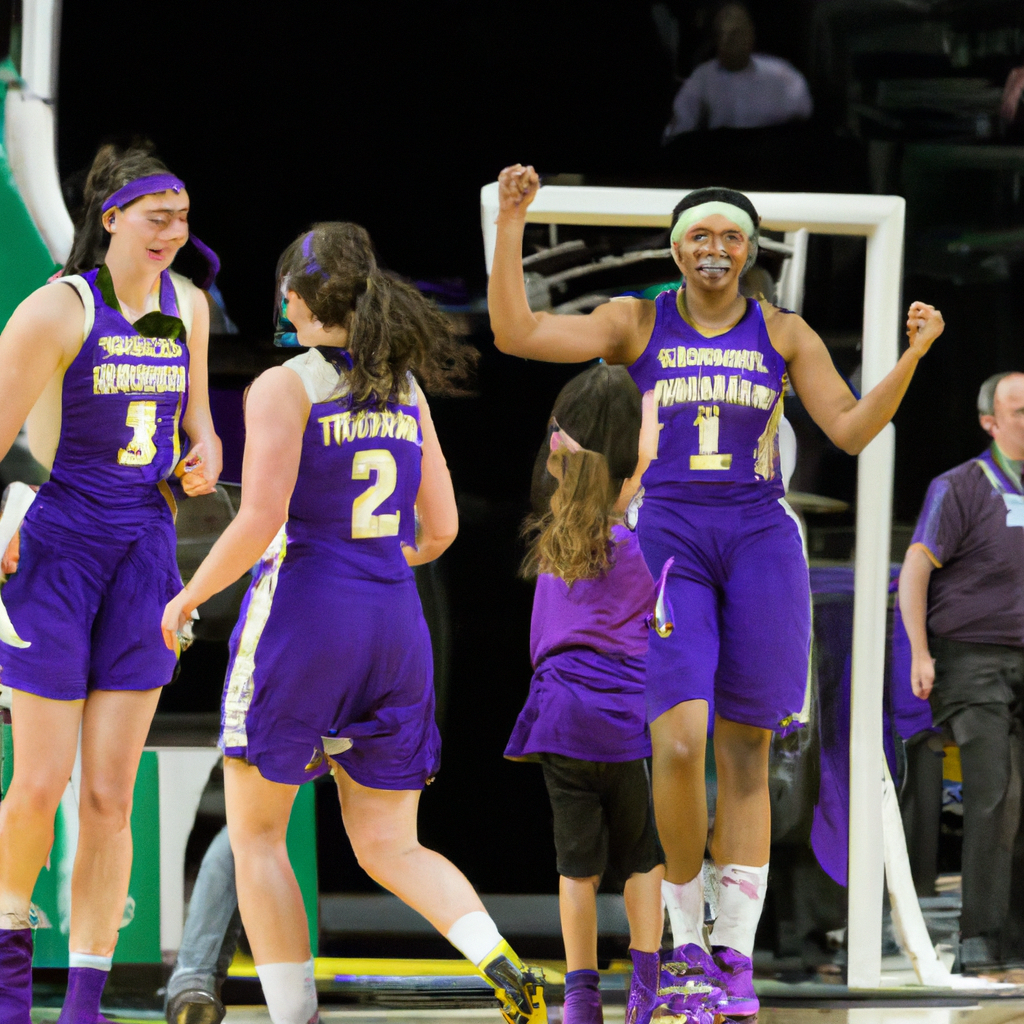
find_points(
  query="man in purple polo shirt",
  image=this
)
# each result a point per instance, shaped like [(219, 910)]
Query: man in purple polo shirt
[(962, 600)]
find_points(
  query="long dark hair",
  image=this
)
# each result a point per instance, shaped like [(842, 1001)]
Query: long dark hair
[(112, 168), (570, 528), (392, 328)]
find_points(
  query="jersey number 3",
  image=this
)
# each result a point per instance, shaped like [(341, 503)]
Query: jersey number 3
[(364, 522), (140, 450)]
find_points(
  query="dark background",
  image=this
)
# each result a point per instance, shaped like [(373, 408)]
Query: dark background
[(394, 115)]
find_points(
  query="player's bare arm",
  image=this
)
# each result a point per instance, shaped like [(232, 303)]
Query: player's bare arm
[(616, 331), (202, 464), (437, 515), (848, 422), (40, 340), (275, 417)]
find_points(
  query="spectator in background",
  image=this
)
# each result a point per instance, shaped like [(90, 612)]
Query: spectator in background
[(962, 600), (738, 88)]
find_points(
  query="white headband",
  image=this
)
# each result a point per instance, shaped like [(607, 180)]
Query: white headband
[(736, 214)]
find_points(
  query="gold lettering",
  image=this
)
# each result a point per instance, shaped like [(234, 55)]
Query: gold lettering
[(705, 389), (744, 392), (325, 422), (718, 393)]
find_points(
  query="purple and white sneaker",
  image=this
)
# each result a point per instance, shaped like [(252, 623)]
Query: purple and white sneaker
[(736, 977), (689, 986), (644, 998)]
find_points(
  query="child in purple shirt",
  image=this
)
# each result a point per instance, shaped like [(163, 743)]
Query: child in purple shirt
[(585, 716)]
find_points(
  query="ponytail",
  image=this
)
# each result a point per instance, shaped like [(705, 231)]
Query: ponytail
[(572, 539), (392, 328)]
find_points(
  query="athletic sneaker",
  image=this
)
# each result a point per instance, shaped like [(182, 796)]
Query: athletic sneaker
[(737, 980), (520, 989), (644, 997), (689, 985), (195, 1006)]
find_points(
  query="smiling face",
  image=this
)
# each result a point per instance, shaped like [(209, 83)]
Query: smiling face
[(309, 331), (712, 253), (150, 230)]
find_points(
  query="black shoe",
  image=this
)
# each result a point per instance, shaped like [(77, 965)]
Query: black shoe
[(195, 1006), (979, 954)]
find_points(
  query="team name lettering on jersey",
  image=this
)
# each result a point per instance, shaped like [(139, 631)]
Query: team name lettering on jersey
[(366, 423), (714, 388), (732, 358), (137, 345), (133, 379)]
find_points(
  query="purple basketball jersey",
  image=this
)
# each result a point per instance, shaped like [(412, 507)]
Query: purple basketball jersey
[(354, 500), (122, 402), (719, 402)]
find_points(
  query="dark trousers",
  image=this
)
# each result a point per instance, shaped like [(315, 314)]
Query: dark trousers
[(977, 698)]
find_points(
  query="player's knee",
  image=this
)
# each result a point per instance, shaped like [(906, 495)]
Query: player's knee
[(106, 801), (682, 752), (34, 796), (742, 758), (377, 852)]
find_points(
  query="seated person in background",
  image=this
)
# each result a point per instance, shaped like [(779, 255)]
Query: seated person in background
[(738, 88), (962, 600)]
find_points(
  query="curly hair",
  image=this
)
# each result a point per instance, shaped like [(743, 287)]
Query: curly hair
[(392, 328), (112, 168)]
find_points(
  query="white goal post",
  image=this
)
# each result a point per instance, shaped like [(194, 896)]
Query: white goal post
[(880, 220)]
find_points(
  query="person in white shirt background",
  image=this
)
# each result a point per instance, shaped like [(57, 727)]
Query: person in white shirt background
[(738, 88)]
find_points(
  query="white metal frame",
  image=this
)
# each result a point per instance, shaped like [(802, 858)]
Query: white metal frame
[(880, 220), (30, 130)]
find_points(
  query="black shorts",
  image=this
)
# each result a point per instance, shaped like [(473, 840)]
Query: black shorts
[(604, 818)]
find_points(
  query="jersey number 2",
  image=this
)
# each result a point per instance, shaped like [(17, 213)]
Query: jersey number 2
[(140, 450), (364, 522)]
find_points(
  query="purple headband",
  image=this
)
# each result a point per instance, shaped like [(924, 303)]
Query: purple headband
[(312, 267), (148, 186)]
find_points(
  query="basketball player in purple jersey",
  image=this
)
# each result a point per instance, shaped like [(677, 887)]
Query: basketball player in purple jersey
[(344, 487), (107, 364), (715, 364)]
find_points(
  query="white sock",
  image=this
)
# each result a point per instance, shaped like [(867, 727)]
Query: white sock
[(685, 904), (97, 963), (290, 992), (741, 892), (474, 935)]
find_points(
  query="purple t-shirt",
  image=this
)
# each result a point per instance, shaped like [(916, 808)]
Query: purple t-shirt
[(607, 614), (588, 644), (967, 527)]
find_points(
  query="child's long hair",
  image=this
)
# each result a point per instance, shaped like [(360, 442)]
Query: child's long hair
[(570, 528), (392, 328)]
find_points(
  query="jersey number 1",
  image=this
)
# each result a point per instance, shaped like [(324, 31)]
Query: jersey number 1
[(364, 522), (140, 450)]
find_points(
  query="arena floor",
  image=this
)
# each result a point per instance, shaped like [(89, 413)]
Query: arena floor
[(996, 1011)]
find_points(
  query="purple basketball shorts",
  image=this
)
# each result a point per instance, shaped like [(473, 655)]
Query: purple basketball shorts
[(326, 666), (88, 597), (741, 602)]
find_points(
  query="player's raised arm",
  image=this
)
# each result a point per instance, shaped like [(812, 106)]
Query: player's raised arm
[(607, 333), (851, 423)]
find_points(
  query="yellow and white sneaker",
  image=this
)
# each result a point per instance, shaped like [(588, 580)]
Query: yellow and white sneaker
[(519, 988)]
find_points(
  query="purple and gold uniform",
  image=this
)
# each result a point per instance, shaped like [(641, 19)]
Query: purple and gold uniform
[(331, 654), (713, 501), (98, 544)]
